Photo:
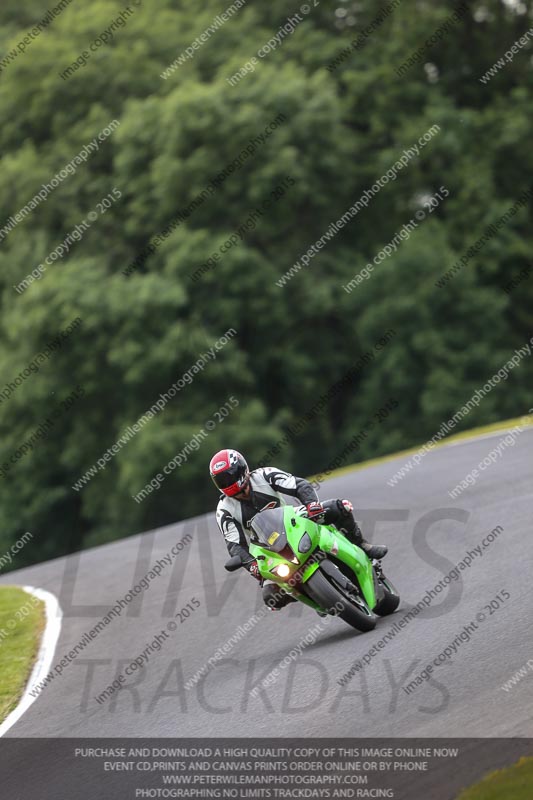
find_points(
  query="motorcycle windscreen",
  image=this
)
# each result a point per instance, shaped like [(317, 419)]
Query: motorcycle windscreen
[(269, 529)]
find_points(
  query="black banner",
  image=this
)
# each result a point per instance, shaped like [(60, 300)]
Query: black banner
[(124, 769)]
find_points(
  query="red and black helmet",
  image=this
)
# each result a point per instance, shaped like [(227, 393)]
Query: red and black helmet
[(229, 471)]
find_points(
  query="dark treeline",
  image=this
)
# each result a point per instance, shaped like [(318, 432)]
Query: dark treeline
[(362, 174)]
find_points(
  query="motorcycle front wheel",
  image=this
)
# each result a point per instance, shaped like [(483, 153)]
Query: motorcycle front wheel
[(329, 593)]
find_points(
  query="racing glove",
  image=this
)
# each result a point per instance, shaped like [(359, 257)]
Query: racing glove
[(314, 509), (253, 569)]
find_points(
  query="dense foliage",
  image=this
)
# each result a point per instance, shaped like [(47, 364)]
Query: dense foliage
[(343, 121)]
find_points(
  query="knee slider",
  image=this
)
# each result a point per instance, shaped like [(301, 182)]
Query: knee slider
[(345, 508)]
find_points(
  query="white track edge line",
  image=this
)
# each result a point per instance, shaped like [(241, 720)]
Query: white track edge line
[(45, 655)]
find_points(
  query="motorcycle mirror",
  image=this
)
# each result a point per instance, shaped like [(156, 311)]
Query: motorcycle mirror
[(233, 564)]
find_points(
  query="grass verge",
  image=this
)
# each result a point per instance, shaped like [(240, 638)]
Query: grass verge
[(513, 783), (22, 620)]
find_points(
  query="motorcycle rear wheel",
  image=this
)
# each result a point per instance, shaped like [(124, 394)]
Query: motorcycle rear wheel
[(390, 601)]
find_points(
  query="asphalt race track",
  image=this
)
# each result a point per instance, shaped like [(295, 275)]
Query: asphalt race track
[(427, 533)]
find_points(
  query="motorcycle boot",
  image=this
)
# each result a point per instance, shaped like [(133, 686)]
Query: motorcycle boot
[(347, 524)]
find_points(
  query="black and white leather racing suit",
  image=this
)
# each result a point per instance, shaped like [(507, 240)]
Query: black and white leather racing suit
[(268, 484)]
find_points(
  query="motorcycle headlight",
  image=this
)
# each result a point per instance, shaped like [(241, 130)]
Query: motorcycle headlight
[(305, 544), (282, 571)]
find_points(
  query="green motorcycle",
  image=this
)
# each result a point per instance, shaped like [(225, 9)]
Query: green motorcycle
[(319, 566)]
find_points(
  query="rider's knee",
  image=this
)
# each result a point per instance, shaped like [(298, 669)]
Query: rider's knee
[(348, 506), (344, 508)]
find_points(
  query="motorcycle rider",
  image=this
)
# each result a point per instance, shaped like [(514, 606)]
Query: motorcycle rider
[(245, 493)]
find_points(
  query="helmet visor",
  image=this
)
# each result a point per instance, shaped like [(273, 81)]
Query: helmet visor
[(230, 476)]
